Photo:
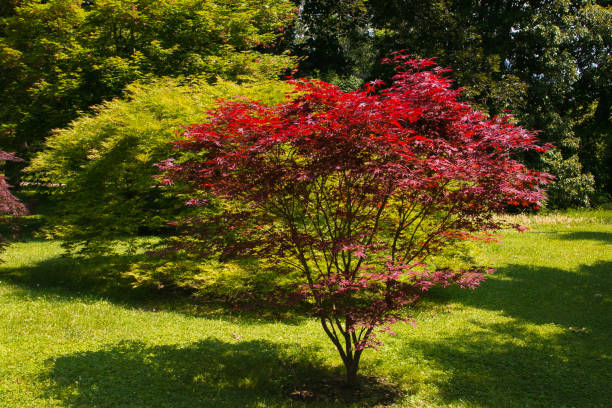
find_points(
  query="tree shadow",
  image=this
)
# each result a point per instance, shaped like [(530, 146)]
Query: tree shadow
[(209, 373), (515, 364), (605, 237), (104, 277), (76, 277), (504, 365), (544, 295)]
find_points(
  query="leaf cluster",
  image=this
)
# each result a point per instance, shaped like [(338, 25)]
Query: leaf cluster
[(10, 206), (546, 61)]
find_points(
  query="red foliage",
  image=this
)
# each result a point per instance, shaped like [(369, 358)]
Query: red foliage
[(9, 204), (356, 189)]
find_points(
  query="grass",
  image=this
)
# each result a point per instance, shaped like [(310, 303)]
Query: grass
[(536, 334)]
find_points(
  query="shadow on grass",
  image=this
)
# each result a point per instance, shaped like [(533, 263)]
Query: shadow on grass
[(103, 277), (209, 373), (605, 237), (548, 295), (510, 366), (70, 278), (517, 364)]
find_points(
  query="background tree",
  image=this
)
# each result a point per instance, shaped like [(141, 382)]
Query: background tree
[(352, 192), (334, 37), (60, 57), (547, 61)]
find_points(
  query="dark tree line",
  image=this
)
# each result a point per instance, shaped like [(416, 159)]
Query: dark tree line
[(547, 61)]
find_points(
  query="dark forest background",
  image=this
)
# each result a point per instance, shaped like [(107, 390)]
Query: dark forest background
[(548, 62)]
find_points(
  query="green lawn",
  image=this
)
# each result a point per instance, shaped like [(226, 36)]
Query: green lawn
[(537, 334)]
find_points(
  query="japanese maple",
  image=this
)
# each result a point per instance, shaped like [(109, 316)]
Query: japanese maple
[(356, 190), (9, 204)]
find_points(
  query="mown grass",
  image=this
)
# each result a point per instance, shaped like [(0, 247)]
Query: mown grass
[(537, 334)]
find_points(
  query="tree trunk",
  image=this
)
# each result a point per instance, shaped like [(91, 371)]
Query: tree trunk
[(351, 372), (349, 358)]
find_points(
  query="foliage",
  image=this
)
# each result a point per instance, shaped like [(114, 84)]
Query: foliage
[(242, 283), (594, 126), (9, 204), (333, 35), (346, 83), (571, 188), (99, 168), (355, 191), (547, 61), (59, 57)]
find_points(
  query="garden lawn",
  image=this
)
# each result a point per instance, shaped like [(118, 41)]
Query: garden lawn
[(538, 333)]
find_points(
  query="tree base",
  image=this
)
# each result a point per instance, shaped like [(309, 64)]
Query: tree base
[(366, 391)]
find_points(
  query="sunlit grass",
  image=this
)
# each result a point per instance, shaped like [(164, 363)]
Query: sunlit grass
[(538, 333)]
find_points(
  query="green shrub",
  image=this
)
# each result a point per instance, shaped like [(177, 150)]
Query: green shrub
[(572, 187), (100, 168), (231, 281)]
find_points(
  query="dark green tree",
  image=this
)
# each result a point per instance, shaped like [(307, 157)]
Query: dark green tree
[(60, 57)]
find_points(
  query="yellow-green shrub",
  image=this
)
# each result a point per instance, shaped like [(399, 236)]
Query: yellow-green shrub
[(100, 169)]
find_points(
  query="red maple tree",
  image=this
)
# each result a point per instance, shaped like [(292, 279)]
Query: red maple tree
[(9, 204), (355, 190)]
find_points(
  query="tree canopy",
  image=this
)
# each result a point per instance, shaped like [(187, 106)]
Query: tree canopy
[(546, 61)]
